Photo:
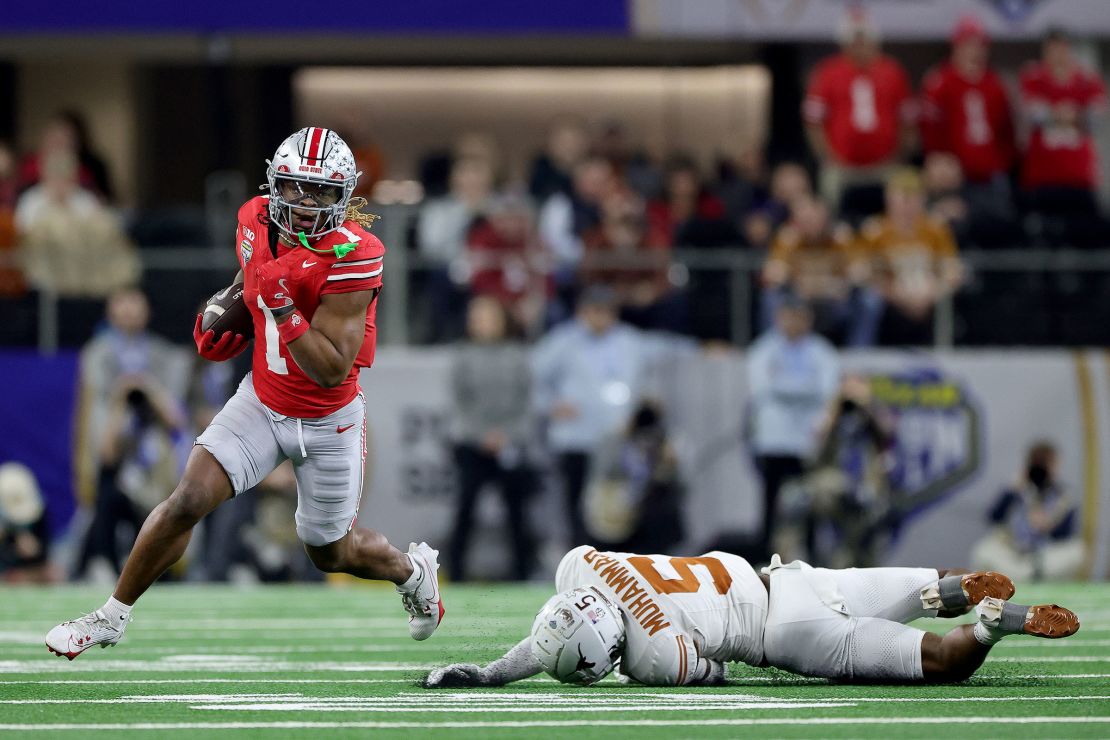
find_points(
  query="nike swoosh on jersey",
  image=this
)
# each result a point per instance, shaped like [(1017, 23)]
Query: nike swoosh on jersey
[(341, 429), (307, 264)]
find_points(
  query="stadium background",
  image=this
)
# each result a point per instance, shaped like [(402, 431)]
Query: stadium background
[(184, 102), (184, 105)]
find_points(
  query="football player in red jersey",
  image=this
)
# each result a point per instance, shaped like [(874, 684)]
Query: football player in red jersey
[(1060, 99), (311, 274), (965, 108)]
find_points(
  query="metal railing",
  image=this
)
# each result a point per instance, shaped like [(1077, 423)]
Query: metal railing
[(742, 266)]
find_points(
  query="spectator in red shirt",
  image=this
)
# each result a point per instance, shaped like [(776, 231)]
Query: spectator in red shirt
[(506, 259), (966, 112), (858, 111), (1060, 99)]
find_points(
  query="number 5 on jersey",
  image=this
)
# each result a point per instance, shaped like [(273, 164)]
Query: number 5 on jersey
[(687, 581)]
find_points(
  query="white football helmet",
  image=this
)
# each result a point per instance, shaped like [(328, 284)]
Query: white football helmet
[(578, 636), (313, 171)]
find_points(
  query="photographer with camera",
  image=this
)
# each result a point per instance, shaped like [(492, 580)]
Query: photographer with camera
[(1035, 528), (633, 500), (138, 461), (842, 504)]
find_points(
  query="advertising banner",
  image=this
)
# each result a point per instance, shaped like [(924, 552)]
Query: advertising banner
[(819, 20), (962, 420)]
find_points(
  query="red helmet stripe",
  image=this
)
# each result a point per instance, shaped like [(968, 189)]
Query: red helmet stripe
[(315, 143)]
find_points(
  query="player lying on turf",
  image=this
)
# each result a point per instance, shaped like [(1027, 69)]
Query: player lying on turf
[(311, 275), (666, 621)]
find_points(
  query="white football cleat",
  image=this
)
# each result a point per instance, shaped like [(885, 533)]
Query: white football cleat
[(70, 639), (423, 602)]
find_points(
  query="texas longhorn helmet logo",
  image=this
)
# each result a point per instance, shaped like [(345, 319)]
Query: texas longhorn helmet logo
[(583, 664)]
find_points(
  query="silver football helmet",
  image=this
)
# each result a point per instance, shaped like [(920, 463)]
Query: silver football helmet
[(311, 179), (578, 636)]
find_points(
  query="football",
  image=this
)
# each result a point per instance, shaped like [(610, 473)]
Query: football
[(226, 311)]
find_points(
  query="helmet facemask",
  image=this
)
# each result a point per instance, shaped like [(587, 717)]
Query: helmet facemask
[(306, 205)]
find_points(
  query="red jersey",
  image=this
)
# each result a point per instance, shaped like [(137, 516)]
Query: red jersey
[(278, 381), (969, 118), (1060, 155), (503, 268), (861, 109)]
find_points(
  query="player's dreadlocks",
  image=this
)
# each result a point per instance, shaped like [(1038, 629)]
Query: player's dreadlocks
[(354, 213)]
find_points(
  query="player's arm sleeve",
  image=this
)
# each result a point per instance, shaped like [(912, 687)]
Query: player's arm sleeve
[(678, 663), (515, 665), (364, 273)]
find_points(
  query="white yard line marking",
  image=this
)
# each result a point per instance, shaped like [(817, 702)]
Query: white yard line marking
[(685, 722), (1051, 659), (169, 648), (298, 624), (21, 638), (31, 641), (558, 701), (1053, 676), (144, 681), (202, 663), (737, 681), (311, 706), (1070, 642)]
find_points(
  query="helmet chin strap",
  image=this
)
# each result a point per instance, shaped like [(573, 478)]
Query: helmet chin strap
[(340, 250)]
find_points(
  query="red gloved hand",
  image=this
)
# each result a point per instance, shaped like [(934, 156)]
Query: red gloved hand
[(271, 279), (228, 346)]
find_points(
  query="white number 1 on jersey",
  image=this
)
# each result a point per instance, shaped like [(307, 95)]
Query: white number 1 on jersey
[(349, 234), (274, 361)]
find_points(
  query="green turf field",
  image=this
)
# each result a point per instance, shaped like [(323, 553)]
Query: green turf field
[(330, 662)]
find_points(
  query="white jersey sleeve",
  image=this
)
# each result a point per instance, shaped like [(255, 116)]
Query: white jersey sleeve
[(669, 658)]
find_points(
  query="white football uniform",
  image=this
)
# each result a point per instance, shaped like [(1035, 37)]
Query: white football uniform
[(846, 624), (680, 614)]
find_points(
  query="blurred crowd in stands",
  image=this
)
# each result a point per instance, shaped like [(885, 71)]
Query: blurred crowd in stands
[(860, 245), (868, 226), (905, 179)]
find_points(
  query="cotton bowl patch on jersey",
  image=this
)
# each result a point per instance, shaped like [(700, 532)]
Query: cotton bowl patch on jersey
[(246, 249), (226, 311)]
